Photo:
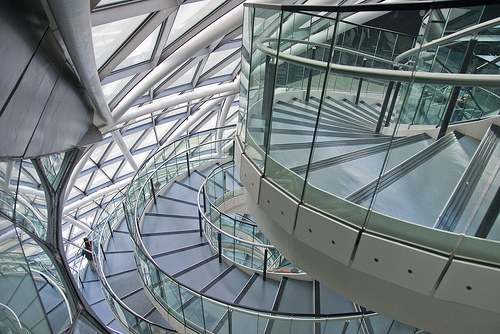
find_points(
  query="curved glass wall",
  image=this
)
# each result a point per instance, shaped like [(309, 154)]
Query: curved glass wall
[(349, 110), (36, 286)]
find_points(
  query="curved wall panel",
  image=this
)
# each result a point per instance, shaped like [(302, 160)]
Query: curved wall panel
[(43, 107)]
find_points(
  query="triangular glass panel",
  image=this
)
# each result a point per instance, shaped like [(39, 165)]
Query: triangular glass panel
[(52, 165), (143, 52)]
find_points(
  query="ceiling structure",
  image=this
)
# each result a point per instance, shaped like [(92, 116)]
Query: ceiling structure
[(158, 63)]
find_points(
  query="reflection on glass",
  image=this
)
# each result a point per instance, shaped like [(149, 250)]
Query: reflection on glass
[(365, 146), (107, 38), (143, 52)]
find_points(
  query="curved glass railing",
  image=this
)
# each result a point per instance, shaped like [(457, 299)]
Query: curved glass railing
[(20, 213), (241, 240), (10, 319), (193, 310), (110, 217), (423, 92)]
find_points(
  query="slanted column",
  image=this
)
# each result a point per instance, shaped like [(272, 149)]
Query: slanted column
[(456, 90)]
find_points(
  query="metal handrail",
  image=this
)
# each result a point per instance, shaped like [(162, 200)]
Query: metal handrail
[(14, 313), (452, 79), (63, 295), (21, 214), (223, 214), (102, 276), (447, 39)]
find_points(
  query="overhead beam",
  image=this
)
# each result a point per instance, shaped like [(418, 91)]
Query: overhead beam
[(192, 119), (117, 137), (97, 194), (132, 42), (169, 101), (217, 30), (77, 223), (119, 12)]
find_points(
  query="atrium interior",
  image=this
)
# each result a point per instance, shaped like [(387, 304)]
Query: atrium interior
[(218, 166)]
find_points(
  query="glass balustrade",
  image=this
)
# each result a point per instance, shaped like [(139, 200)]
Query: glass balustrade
[(192, 309), (337, 98), (22, 214), (241, 241), (110, 217)]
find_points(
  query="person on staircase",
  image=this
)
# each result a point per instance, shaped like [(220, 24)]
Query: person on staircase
[(88, 253)]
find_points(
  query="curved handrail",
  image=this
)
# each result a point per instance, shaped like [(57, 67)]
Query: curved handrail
[(142, 325), (446, 39), (235, 220), (13, 207), (14, 313), (152, 274), (58, 288), (452, 79), (269, 246)]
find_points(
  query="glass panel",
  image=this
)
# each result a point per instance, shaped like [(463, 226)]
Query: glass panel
[(258, 116), (108, 38), (293, 121), (52, 164), (111, 89), (19, 299), (141, 53)]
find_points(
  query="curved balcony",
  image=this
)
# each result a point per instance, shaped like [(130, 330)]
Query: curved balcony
[(359, 171)]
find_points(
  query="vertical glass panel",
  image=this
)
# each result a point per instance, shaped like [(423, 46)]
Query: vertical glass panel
[(294, 113), (246, 54), (242, 322), (193, 310), (266, 25), (335, 326), (19, 292), (84, 326), (215, 317)]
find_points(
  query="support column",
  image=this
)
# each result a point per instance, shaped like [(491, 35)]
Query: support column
[(53, 243), (267, 97), (309, 79), (456, 90)]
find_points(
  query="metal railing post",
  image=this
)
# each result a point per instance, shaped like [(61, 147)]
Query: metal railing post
[(469, 52), (393, 103), (264, 270), (219, 240), (153, 190), (309, 79), (109, 225), (204, 201), (103, 254), (187, 161), (360, 83), (384, 106), (201, 228)]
